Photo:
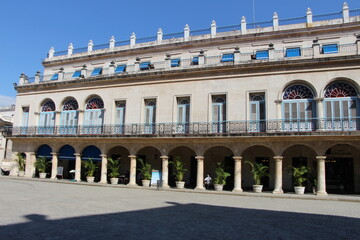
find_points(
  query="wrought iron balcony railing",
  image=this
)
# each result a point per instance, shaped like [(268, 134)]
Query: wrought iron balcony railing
[(226, 128)]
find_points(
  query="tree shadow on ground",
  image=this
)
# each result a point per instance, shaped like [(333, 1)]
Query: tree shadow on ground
[(187, 221)]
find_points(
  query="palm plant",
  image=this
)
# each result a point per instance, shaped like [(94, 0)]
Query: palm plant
[(298, 174), (114, 167), (220, 174), (40, 164), (145, 169), (179, 167), (90, 167), (20, 160), (258, 171)]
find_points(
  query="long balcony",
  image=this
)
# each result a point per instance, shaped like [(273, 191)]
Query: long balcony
[(196, 129)]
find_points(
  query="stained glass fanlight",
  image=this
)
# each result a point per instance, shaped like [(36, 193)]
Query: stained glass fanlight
[(95, 103), (340, 89), (48, 106), (70, 104), (297, 91)]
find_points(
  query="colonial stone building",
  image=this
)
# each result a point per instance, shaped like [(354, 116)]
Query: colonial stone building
[(6, 121), (283, 92)]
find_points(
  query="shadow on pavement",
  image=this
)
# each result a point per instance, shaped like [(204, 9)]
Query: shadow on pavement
[(187, 221)]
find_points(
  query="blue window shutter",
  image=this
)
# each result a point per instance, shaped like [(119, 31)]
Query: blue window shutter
[(227, 57), (331, 48), (195, 61), (144, 65), (262, 54), (76, 74), (293, 52), (55, 77), (96, 71), (120, 68), (175, 62)]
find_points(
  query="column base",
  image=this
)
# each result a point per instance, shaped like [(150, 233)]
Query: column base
[(166, 186), (322, 193), (237, 190), (278, 191), (103, 182), (199, 188)]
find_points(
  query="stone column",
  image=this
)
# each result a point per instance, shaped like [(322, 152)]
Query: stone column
[(132, 40), (186, 33), (54, 165), (112, 43), (29, 167), (275, 21), (70, 49), (159, 35), (321, 179), (316, 48), (237, 174), (309, 18), (213, 29), (165, 171), (51, 53), (346, 15), (278, 174), (77, 167), (103, 177), (132, 181), (200, 173), (243, 25), (90, 46)]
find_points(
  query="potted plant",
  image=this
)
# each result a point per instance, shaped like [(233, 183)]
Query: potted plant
[(20, 160), (180, 170), (220, 177), (114, 168), (90, 167), (258, 171), (298, 174), (145, 170), (40, 165)]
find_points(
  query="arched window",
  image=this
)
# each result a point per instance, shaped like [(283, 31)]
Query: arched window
[(341, 106), (70, 104), (47, 118), (94, 116), (298, 108), (69, 117), (48, 106), (95, 103)]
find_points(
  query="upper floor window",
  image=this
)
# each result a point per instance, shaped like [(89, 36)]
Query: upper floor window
[(95, 103), (120, 68), (145, 65), (229, 57), (96, 71), (175, 62), (48, 106), (55, 77), (195, 61), (262, 54), (76, 74), (330, 48), (297, 91), (293, 52)]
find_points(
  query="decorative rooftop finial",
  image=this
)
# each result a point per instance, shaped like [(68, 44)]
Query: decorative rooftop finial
[(308, 11), (275, 15), (345, 5), (243, 19)]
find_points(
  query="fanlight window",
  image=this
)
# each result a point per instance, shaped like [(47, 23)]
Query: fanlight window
[(340, 89), (297, 92), (150, 102), (70, 104), (219, 100), (257, 98), (183, 101), (120, 104), (48, 106), (95, 103)]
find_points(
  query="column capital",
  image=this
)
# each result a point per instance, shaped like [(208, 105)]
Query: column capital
[(278, 101), (77, 154), (164, 158), (237, 158), (319, 99), (278, 158), (320, 158), (132, 156), (29, 153), (54, 153), (103, 155), (199, 158)]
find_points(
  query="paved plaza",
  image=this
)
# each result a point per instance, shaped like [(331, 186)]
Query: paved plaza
[(50, 210)]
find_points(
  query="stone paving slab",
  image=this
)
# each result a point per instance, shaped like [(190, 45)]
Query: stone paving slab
[(46, 209)]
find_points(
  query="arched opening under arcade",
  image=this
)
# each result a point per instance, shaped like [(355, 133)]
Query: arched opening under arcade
[(121, 153), (187, 156), (297, 156), (223, 155), (342, 169), (44, 151), (66, 160), (258, 154), (149, 155), (91, 153)]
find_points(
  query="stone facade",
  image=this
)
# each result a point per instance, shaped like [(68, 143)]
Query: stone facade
[(280, 95)]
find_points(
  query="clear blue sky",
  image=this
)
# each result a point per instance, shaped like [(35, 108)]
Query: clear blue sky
[(30, 28)]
